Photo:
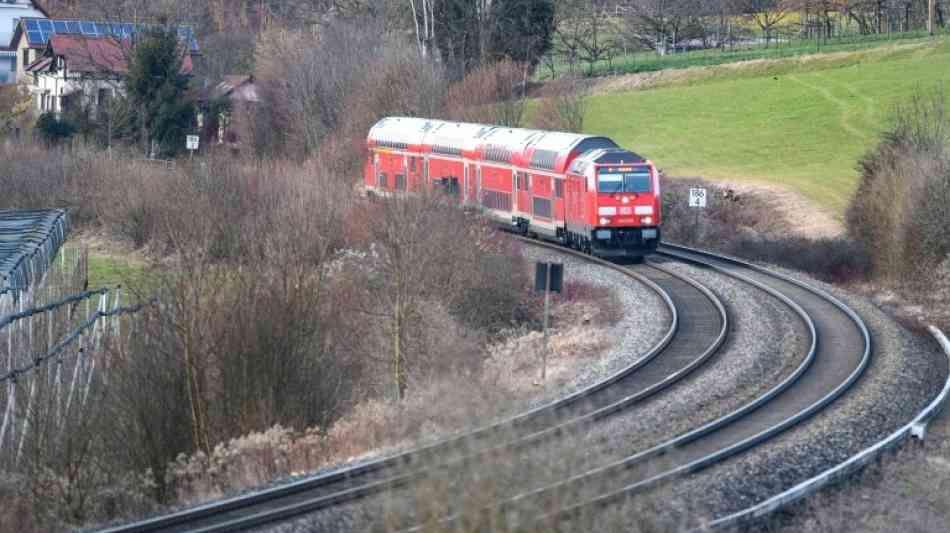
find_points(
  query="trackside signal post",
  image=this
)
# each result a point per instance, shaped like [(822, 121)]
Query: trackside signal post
[(191, 143), (548, 277), (697, 201)]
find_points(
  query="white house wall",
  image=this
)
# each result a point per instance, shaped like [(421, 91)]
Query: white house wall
[(55, 86), (10, 14)]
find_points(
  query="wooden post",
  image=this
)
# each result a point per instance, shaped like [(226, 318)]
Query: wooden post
[(547, 312)]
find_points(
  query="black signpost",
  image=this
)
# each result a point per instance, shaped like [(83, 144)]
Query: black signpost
[(548, 277)]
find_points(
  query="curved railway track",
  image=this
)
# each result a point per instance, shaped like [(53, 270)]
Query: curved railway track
[(699, 323), (839, 354)]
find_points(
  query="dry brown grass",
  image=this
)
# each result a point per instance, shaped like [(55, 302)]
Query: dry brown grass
[(905, 491), (433, 409)]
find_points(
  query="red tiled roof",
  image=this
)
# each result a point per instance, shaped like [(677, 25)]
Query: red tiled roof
[(98, 54), (91, 54)]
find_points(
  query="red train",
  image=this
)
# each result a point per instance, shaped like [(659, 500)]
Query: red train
[(581, 190)]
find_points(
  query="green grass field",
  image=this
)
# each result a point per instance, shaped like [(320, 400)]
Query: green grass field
[(800, 123)]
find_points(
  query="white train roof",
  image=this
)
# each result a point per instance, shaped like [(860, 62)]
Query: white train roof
[(455, 137)]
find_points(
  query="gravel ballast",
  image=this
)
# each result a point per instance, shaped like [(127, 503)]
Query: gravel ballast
[(906, 372)]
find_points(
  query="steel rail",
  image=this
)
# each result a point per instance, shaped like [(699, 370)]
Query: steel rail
[(295, 490), (548, 496), (915, 428)]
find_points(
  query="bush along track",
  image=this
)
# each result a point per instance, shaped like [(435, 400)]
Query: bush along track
[(662, 366)]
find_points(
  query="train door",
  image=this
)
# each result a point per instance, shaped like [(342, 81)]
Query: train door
[(465, 180), (558, 199), (471, 176), (372, 180), (478, 185), (524, 192)]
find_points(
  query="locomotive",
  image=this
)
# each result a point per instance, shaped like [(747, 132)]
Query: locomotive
[(580, 190)]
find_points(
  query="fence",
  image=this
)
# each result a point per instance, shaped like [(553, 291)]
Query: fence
[(49, 362), (627, 57)]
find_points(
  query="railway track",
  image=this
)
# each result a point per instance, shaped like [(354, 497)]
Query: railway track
[(839, 354), (698, 327)]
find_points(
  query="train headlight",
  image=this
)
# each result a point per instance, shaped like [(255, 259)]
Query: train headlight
[(604, 221), (647, 220)]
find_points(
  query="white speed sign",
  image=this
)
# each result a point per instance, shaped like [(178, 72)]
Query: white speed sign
[(697, 197)]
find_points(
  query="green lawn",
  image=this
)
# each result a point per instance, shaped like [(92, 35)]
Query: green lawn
[(799, 123), (107, 271)]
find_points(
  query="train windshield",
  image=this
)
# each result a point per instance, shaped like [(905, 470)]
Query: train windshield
[(614, 180)]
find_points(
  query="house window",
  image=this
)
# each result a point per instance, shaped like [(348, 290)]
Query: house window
[(102, 98), (412, 164), (559, 188), (26, 57), (382, 179), (400, 182)]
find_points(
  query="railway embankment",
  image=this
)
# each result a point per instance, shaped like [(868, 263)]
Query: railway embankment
[(907, 371)]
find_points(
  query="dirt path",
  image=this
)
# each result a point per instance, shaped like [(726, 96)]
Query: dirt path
[(803, 216)]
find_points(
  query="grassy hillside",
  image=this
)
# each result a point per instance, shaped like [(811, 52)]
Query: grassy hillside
[(800, 122)]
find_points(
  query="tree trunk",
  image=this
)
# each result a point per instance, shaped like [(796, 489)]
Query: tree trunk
[(399, 371)]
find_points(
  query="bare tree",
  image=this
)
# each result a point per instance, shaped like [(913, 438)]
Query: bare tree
[(766, 14), (656, 24), (332, 83), (562, 108), (493, 94)]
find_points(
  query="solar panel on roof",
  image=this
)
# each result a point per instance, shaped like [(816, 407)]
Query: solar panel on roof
[(38, 32)]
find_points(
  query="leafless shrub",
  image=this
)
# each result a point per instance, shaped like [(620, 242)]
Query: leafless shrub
[(334, 82), (561, 107), (743, 225), (492, 94), (900, 213)]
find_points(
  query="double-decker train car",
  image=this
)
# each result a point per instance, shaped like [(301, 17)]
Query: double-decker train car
[(581, 190)]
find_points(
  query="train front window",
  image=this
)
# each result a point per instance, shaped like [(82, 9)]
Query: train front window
[(636, 180)]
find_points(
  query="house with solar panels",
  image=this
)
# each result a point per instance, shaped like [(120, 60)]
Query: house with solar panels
[(11, 12), (66, 64)]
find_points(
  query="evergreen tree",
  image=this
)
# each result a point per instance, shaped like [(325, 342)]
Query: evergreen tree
[(158, 90), (472, 33), (522, 30)]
